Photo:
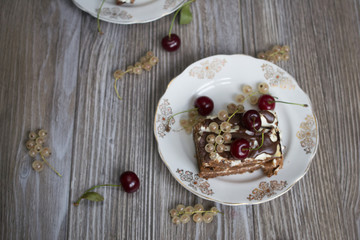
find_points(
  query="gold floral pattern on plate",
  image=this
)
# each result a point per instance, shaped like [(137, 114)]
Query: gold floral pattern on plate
[(164, 112), (114, 12), (277, 78), (195, 181), (208, 69), (308, 134), (267, 189)]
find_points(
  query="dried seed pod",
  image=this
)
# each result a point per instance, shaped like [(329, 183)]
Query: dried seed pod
[(30, 144), (173, 212), (146, 66), (231, 108), (42, 133), (185, 218), (143, 59), (199, 207), (197, 217), (38, 165), (39, 141), (149, 54), (37, 148), (45, 152), (223, 115), (32, 135), (254, 100), (32, 153), (137, 70), (153, 60), (263, 88), (176, 220), (261, 55), (180, 207), (241, 108), (207, 217), (118, 74), (210, 138), (247, 89), (130, 69)]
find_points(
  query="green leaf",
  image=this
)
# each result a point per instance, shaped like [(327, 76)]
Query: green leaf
[(185, 15), (93, 196)]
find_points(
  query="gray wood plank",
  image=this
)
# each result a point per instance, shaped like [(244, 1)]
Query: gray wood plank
[(38, 68), (109, 139), (56, 73), (318, 206)]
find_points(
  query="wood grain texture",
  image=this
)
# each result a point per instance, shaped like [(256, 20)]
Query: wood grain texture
[(38, 42), (56, 73)]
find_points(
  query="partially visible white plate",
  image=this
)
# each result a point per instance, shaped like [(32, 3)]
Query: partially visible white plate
[(221, 78), (141, 11)]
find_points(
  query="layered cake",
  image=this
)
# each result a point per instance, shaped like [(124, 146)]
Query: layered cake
[(120, 2), (265, 147)]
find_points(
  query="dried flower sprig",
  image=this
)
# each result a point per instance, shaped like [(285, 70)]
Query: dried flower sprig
[(276, 54), (145, 63), (183, 214), (35, 147), (193, 118), (249, 94)]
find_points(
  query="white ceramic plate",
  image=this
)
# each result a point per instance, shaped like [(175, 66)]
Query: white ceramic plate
[(141, 11), (221, 78)]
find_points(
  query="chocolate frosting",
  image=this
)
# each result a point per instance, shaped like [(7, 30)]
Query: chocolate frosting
[(269, 147), (269, 116)]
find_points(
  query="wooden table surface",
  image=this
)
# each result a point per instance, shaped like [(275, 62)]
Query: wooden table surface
[(56, 73)]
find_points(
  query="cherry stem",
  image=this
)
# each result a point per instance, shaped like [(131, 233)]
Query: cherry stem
[(176, 13), (172, 116), (228, 120), (98, 17), (262, 142), (237, 110), (262, 139), (47, 163), (115, 86), (299, 104), (250, 95), (90, 189), (277, 52)]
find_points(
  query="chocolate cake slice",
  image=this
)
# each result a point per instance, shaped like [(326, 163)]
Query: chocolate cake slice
[(268, 157)]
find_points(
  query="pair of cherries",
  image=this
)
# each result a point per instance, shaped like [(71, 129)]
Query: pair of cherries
[(240, 148), (251, 120), (205, 106)]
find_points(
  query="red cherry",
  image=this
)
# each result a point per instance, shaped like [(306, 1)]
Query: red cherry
[(130, 182), (251, 120), (266, 102), (171, 43), (240, 148), (204, 105)]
